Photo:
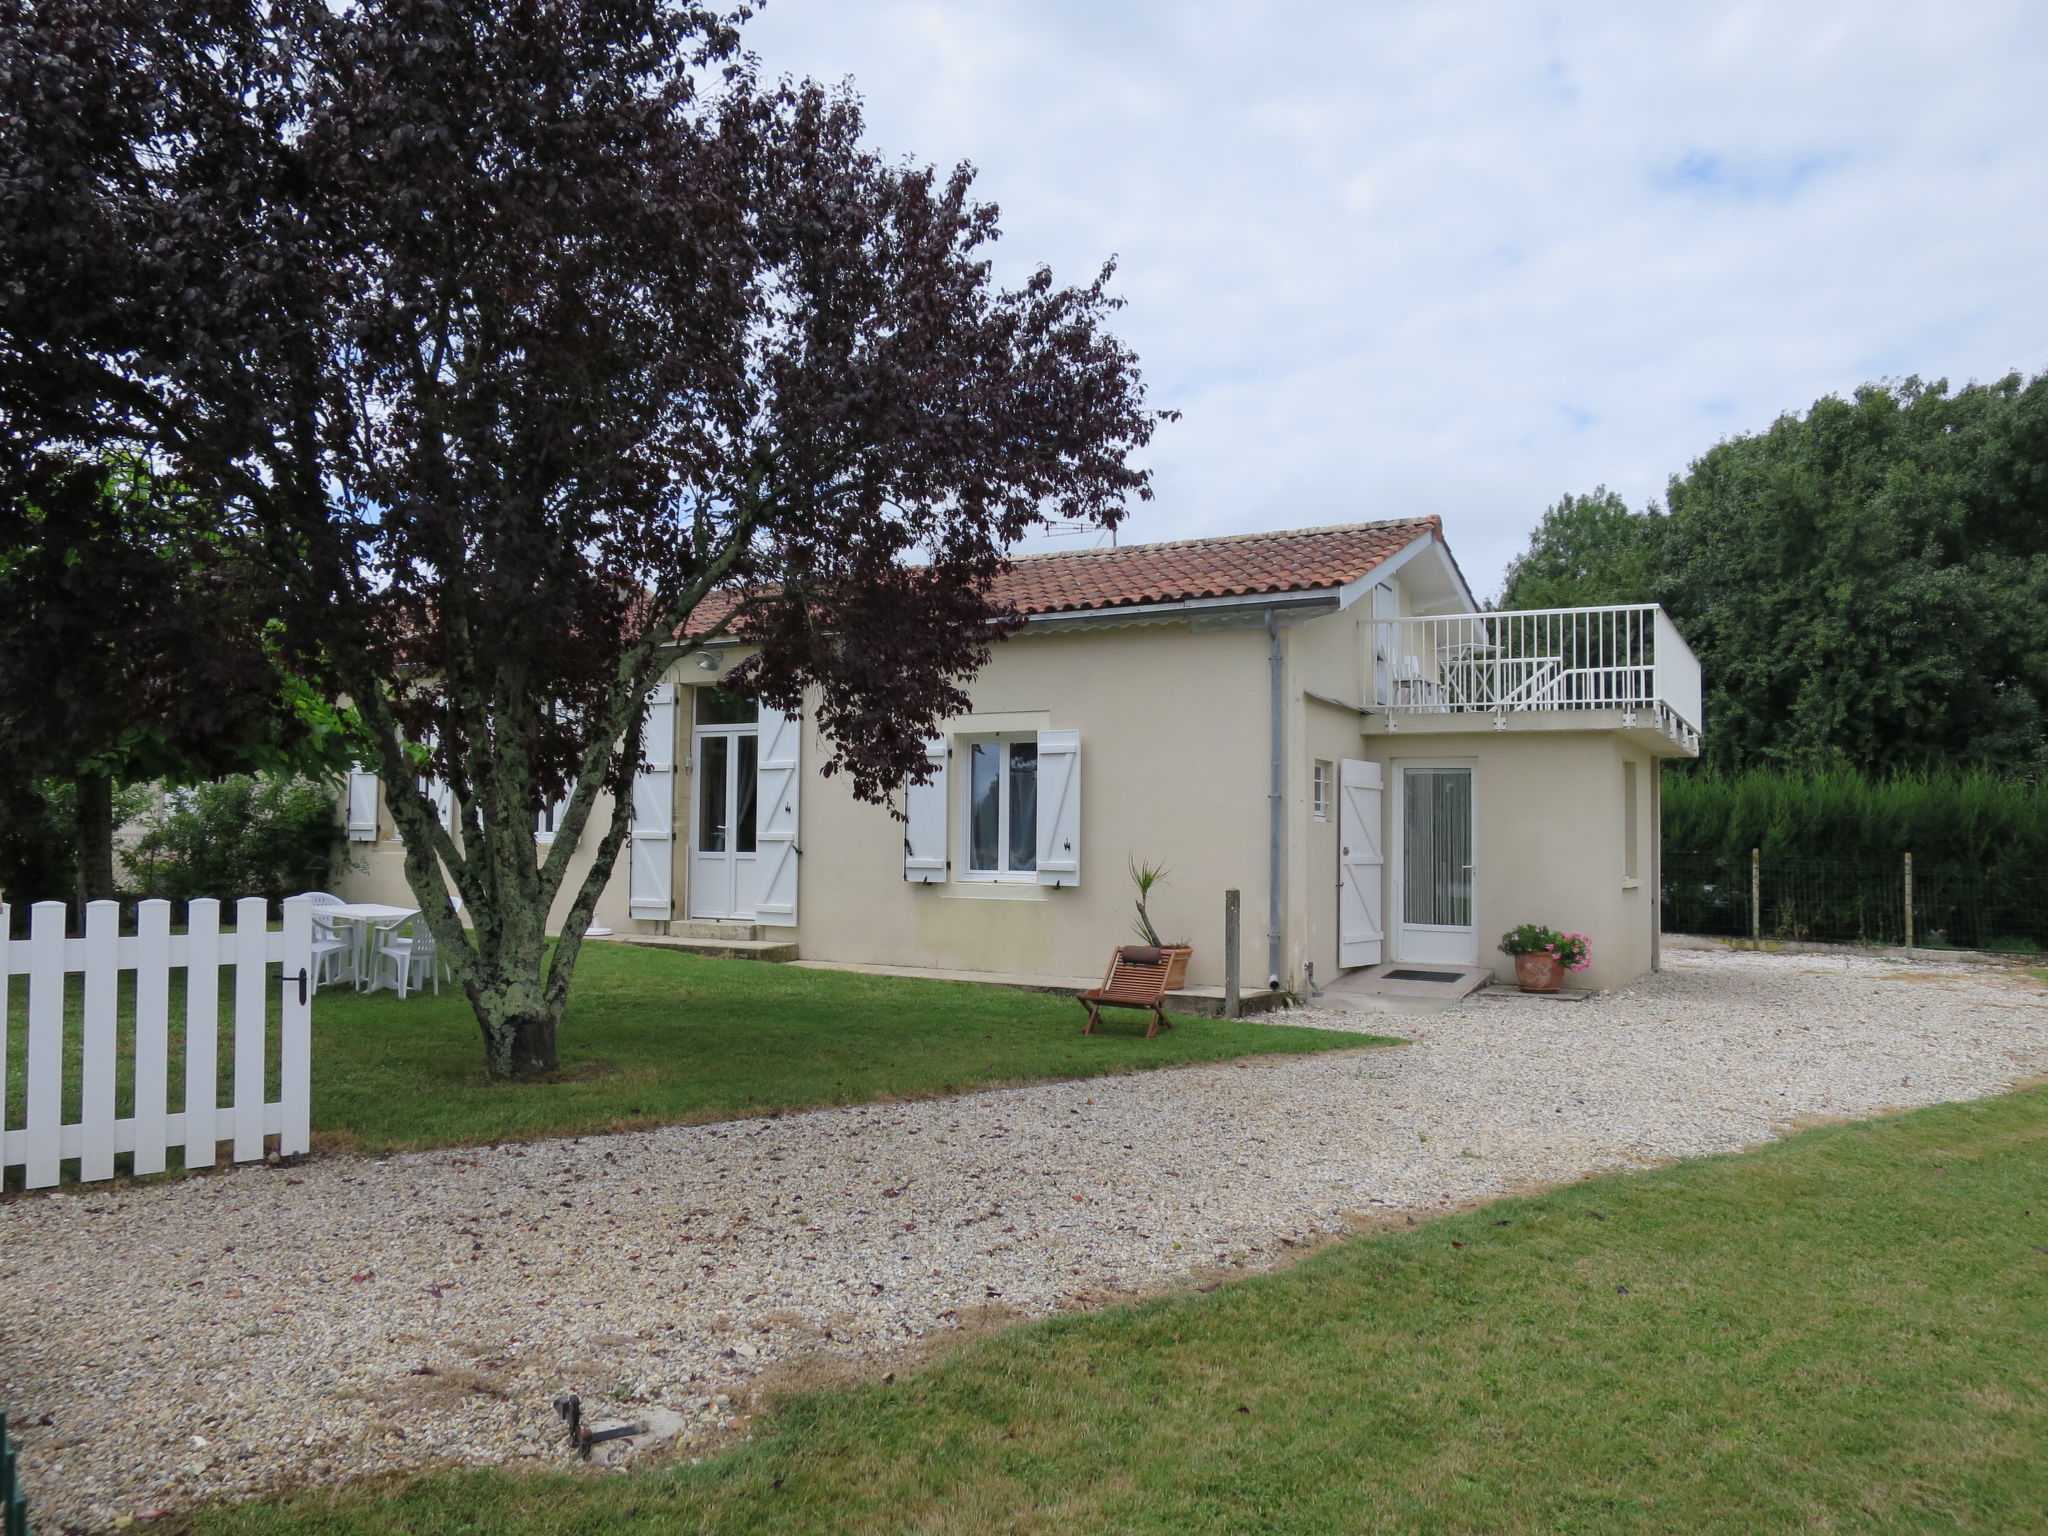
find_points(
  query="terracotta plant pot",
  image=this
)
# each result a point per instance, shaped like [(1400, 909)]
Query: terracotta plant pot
[(1538, 973), (1177, 968)]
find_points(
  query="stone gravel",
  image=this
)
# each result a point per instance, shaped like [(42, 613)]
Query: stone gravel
[(229, 1334)]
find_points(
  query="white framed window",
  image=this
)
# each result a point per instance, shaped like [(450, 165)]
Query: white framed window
[(1320, 791), (1000, 814), (996, 808), (549, 819), (1631, 823), (550, 816)]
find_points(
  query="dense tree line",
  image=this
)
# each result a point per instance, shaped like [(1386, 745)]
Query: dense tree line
[(1866, 584)]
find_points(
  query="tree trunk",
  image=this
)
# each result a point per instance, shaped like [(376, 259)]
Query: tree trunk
[(514, 1006), (497, 941), (93, 838), (533, 1044)]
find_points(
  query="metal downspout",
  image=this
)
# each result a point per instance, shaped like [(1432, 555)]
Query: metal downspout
[(1274, 800)]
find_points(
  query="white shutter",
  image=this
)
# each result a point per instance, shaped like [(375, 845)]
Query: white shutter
[(362, 806), (654, 790), (1361, 863), (776, 793), (924, 830), (1059, 807)]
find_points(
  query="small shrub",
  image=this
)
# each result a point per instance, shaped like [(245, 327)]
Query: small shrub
[(264, 835)]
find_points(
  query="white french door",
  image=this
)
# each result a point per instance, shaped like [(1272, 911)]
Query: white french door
[(724, 836), (1433, 884)]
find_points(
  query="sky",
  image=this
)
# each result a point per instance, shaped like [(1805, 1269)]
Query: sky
[(1391, 258)]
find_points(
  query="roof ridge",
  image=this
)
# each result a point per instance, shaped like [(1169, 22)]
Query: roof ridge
[(1227, 538)]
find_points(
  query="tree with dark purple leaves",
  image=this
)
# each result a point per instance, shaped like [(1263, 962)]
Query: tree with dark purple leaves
[(134, 646), (526, 343)]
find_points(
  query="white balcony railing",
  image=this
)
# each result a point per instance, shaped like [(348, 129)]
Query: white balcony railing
[(1631, 659)]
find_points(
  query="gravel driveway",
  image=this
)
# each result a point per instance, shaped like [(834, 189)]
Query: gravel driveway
[(225, 1334)]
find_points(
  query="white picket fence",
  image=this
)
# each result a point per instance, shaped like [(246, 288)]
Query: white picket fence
[(48, 958)]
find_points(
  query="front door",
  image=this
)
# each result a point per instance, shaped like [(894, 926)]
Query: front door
[(1434, 882), (723, 835)]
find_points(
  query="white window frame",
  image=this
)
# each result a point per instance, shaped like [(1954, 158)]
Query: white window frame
[(1631, 823), (1320, 783), (965, 808), (548, 820)]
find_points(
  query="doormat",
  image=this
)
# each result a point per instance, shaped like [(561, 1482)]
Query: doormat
[(1421, 975)]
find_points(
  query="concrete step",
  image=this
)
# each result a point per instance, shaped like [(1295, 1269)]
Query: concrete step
[(715, 928), (1412, 978), (774, 951)]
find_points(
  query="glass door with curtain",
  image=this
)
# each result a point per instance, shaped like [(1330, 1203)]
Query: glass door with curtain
[(725, 761), (1434, 882)]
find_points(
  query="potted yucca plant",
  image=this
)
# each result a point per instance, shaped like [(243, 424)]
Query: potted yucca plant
[(1145, 877)]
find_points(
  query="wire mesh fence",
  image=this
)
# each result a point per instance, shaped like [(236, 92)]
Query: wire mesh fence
[(1923, 901)]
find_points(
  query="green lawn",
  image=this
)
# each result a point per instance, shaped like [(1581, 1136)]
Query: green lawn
[(653, 1036), (1845, 1332)]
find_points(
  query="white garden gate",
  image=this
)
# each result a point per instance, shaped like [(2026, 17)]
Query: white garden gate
[(36, 1097)]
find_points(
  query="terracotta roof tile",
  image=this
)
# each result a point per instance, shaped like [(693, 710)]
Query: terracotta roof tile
[(1242, 564), (1294, 560)]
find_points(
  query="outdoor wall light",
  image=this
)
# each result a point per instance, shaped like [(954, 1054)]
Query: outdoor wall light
[(709, 661)]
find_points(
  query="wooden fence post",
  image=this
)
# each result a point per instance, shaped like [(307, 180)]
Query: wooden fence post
[(295, 1032), (152, 1034), (1909, 901), (43, 1109), (202, 1031), (1231, 1001), (1756, 898)]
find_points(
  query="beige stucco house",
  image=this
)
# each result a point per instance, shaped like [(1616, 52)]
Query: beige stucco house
[(1322, 720)]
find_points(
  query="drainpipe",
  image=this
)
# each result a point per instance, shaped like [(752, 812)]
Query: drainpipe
[(1274, 798)]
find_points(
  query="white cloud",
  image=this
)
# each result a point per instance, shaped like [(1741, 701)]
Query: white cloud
[(1461, 257)]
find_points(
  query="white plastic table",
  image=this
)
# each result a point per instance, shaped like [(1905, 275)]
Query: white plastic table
[(364, 918)]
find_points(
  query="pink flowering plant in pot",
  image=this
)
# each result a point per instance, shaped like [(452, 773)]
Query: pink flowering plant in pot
[(1543, 955)]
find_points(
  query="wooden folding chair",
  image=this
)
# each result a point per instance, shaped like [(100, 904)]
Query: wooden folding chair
[(1136, 979)]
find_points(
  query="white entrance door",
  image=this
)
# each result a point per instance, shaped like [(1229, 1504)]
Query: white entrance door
[(1361, 867), (723, 834), (1433, 888)]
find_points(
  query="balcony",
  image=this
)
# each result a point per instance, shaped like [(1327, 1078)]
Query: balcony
[(1622, 667)]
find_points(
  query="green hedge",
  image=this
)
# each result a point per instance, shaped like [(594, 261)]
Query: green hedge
[(1833, 847)]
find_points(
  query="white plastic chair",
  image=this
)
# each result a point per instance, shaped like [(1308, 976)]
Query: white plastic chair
[(334, 952), (406, 953)]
